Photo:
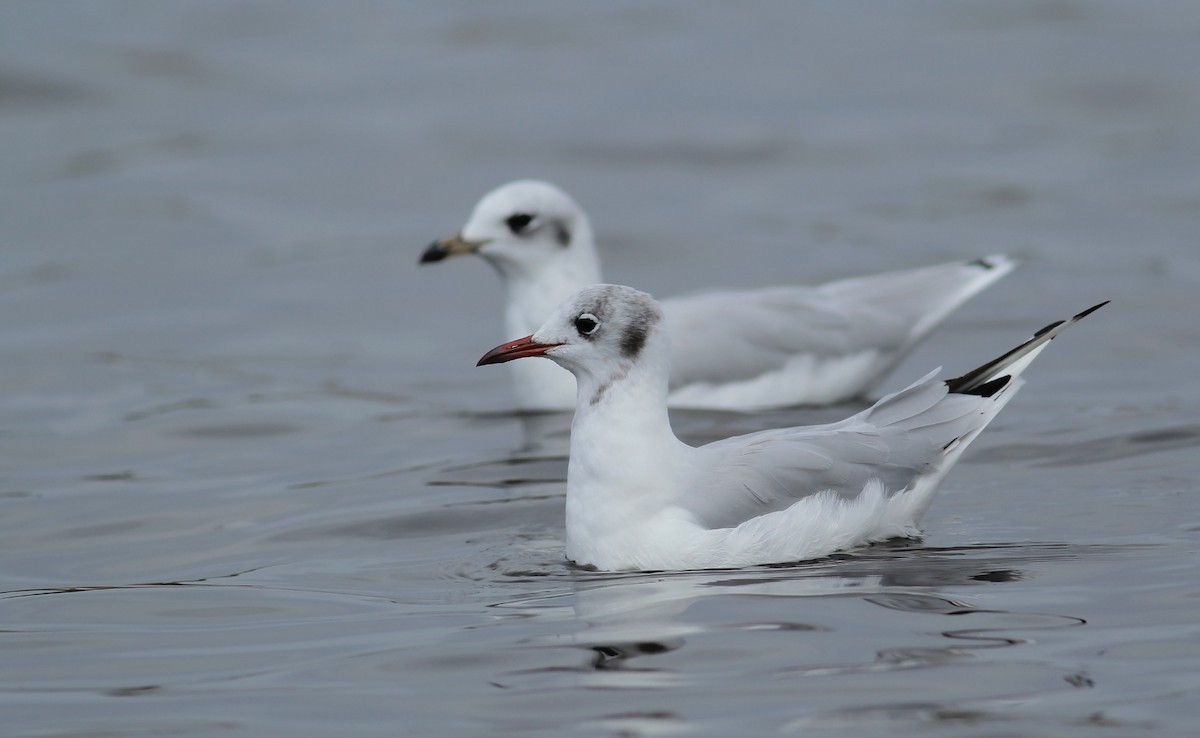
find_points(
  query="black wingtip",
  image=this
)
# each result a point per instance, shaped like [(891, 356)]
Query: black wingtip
[(974, 382), (1048, 328), (989, 388), (982, 263), (1091, 310), (1077, 316)]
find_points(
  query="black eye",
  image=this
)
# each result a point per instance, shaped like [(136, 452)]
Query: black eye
[(518, 222), (586, 324)]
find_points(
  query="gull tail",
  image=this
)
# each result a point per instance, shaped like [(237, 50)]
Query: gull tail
[(955, 411), (921, 298), (951, 285), (995, 375)]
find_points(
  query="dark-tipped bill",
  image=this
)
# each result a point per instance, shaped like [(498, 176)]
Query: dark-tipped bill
[(454, 245), (517, 349)]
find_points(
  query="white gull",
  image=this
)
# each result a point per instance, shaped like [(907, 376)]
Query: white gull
[(781, 346), (638, 498)]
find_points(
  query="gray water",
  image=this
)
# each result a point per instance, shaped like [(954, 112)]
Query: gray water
[(252, 484)]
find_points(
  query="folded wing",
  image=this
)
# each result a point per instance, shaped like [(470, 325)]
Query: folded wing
[(910, 437), (735, 335)]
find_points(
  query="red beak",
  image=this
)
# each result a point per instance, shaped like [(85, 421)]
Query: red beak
[(517, 349)]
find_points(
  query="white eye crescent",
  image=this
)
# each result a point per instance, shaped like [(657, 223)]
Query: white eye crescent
[(587, 324)]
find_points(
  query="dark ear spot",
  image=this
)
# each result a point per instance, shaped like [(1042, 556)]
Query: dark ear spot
[(562, 234), (634, 339)]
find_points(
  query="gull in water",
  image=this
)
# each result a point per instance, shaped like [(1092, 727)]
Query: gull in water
[(780, 346), (638, 498)]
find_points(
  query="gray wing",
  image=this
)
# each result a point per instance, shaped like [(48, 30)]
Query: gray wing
[(917, 432), (734, 335), (899, 439)]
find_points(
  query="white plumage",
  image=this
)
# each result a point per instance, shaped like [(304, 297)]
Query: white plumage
[(640, 499)]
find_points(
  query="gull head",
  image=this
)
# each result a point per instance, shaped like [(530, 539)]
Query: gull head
[(522, 229), (603, 331)]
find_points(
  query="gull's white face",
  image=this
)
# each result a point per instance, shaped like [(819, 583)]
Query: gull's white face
[(603, 324), (523, 226), (602, 327)]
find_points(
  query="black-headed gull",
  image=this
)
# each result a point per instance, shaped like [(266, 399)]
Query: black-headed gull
[(638, 498), (781, 346)]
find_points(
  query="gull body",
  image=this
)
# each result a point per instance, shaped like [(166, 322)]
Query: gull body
[(783, 346), (638, 498)]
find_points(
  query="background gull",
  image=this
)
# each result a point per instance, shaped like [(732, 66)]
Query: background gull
[(779, 346)]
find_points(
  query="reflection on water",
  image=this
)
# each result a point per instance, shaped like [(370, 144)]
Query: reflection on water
[(509, 472), (1101, 450), (634, 621)]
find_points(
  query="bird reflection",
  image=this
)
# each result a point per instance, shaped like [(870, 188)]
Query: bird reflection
[(625, 623)]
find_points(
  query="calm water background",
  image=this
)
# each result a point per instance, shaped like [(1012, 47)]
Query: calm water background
[(252, 484)]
